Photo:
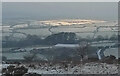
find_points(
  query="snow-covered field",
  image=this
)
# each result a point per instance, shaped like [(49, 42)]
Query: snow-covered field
[(83, 29), (87, 68)]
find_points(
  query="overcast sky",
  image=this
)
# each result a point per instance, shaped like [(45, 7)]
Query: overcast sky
[(60, 0), (83, 10)]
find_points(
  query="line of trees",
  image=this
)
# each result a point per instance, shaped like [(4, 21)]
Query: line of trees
[(63, 38)]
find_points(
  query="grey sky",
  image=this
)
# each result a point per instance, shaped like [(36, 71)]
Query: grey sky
[(84, 10), (60, 0)]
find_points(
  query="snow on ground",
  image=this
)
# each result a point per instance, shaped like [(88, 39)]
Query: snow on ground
[(112, 51), (88, 68)]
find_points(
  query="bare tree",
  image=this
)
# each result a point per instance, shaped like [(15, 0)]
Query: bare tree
[(83, 50)]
